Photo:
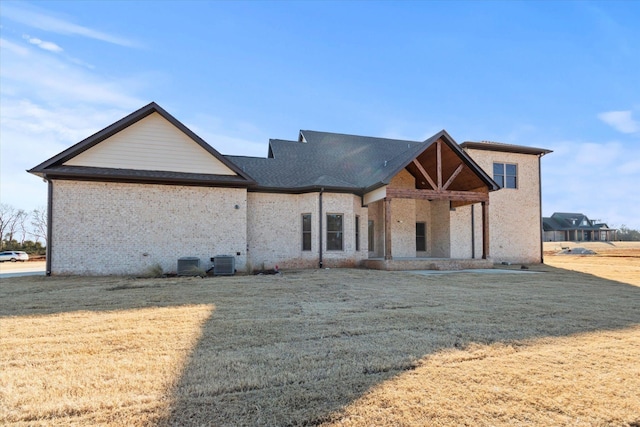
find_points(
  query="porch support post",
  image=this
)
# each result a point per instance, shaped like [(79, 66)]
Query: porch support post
[(485, 230), (387, 229)]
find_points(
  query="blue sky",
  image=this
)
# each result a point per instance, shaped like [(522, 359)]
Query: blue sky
[(558, 75)]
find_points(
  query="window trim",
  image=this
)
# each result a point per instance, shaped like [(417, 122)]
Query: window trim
[(338, 232), (502, 181), (357, 232), (423, 236), (306, 232)]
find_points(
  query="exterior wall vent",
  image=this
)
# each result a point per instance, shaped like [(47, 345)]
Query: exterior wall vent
[(224, 265), (188, 266)]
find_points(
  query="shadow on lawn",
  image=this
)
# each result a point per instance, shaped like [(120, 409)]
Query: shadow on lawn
[(294, 350)]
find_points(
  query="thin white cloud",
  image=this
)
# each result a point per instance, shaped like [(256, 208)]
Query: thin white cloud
[(36, 18), (50, 46), (49, 103), (9, 47), (33, 74), (622, 121), (597, 179)]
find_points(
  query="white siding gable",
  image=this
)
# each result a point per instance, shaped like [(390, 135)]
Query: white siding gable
[(154, 144)]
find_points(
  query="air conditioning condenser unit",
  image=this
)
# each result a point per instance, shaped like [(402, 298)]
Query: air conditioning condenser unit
[(224, 265), (188, 266)]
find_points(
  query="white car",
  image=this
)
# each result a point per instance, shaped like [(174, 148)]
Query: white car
[(13, 256)]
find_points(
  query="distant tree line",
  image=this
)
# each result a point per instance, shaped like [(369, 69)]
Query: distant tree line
[(23, 231), (627, 234)]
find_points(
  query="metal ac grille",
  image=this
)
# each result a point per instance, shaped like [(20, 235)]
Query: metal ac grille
[(224, 265), (187, 265)]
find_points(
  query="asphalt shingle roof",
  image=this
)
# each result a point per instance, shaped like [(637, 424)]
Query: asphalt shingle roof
[(332, 161), (570, 221)]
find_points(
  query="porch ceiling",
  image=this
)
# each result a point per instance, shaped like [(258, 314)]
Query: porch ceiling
[(449, 177)]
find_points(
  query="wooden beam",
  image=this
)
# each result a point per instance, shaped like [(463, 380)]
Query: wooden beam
[(453, 176), (461, 196), (485, 230), (387, 229), (424, 174), (439, 163)]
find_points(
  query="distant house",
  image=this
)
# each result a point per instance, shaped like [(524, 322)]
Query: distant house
[(575, 227), (147, 191)]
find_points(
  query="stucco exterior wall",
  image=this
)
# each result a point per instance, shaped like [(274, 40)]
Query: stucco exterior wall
[(118, 228), (514, 214), (274, 230)]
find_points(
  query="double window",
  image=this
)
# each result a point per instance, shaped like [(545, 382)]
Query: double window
[(505, 175), (335, 226)]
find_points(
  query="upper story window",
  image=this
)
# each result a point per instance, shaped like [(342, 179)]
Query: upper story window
[(505, 175)]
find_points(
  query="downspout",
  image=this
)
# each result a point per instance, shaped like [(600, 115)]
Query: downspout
[(320, 228), (473, 235), (540, 203), (49, 222)]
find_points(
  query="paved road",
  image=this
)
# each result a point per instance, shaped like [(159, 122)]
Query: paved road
[(15, 269)]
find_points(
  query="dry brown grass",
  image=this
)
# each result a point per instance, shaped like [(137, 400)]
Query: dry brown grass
[(588, 379), (95, 368), (339, 347), (614, 261)]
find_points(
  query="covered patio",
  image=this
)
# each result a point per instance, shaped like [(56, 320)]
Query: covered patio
[(411, 217)]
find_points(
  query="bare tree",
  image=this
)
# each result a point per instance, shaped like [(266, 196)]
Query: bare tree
[(9, 221), (39, 223), (22, 226)]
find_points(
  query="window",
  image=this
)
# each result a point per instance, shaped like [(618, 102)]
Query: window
[(505, 175), (421, 237), (334, 232), (357, 233), (306, 232), (371, 229)]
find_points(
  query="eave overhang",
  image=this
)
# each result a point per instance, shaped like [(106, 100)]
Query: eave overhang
[(83, 173), (450, 142), (58, 160), (507, 148)]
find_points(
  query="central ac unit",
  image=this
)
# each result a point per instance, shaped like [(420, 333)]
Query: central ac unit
[(188, 266), (224, 265)]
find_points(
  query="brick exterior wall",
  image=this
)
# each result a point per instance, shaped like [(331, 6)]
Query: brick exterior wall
[(116, 228), (514, 218), (274, 230), (514, 214)]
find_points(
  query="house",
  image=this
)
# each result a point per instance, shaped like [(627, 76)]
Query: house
[(147, 191), (562, 226)]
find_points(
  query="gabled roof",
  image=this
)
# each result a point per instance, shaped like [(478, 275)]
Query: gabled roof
[(55, 166), (341, 162), (560, 221)]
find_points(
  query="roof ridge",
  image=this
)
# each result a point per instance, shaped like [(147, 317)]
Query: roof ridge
[(361, 136)]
